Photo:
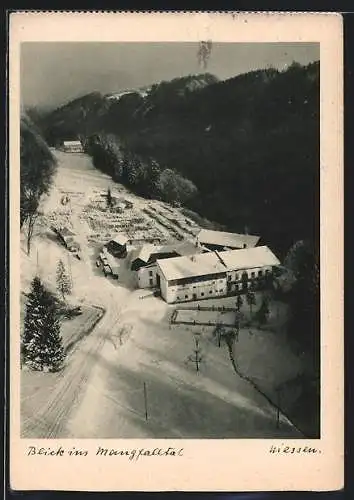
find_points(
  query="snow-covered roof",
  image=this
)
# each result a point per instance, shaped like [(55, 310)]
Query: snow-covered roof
[(189, 266), (229, 240), (72, 143), (247, 258), (187, 248), (145, 251), (217, 262), (184, 248)]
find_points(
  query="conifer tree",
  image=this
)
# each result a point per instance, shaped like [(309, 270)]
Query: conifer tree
[(239, 302), (63, 280), (109, 198), (41, 346), (263, 311), (251, 299)]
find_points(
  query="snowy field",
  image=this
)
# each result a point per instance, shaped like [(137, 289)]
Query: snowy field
[(100, 393), (181, 402)]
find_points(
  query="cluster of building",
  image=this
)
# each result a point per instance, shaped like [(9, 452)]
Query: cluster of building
[(216, 264)]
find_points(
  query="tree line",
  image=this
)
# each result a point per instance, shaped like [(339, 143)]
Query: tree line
[(143, 175), (249, 147)]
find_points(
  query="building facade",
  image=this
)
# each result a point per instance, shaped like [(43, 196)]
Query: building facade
[(73, 147), (193, 288), (147, 276)]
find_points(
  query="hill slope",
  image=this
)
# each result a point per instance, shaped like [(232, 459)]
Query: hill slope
[(250, 145)]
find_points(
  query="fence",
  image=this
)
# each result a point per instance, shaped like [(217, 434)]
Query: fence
[(231, 320)]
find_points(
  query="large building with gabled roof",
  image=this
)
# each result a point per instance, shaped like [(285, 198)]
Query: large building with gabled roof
[(214, 274), (144, 259)]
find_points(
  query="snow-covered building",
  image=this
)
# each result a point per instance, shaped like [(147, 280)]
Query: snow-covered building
[(220, 240), (144, 260), (73, 147), (118, 246), (213, 274)]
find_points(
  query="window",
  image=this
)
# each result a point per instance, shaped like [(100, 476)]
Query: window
[(260, 273), (178, 298), (151, 281), (229, 277), (210, 291), (186, 296), (253, 275), (202, 294), (150, 273), (236, 277), (221, 290), (267, 272)]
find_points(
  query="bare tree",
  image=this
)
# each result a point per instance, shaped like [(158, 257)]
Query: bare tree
[(204, 52), (196, 357), (32, 216)]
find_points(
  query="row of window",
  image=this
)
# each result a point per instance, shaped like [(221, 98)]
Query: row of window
[(197, 279), (202, 294), (253, 275)]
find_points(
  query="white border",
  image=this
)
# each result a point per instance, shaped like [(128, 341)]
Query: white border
[(207, 465)]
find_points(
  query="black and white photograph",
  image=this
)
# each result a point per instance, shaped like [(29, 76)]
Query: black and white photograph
[(175, 250), (169, 219)]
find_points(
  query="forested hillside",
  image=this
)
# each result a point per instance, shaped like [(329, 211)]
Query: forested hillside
[(243, 152)]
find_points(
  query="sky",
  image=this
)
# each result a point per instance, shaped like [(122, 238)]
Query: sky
[(53, 73)]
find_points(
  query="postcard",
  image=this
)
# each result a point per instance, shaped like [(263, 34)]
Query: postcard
[(176, 251)]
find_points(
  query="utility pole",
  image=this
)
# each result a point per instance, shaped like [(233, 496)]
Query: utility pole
[(145, 402)]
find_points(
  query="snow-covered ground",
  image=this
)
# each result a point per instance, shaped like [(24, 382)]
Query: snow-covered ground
[(181, 402), (101, 391)]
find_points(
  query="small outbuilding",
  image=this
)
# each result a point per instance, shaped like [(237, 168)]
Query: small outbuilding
[(118, 246), (221, 241), (73, 147)]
